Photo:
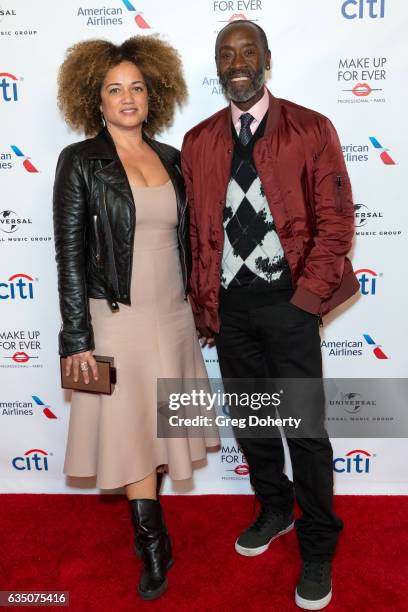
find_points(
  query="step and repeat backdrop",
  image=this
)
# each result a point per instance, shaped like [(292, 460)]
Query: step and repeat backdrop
[(344, 58)]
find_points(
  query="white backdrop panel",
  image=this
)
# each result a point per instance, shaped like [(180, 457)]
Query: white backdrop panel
[(346, 59)]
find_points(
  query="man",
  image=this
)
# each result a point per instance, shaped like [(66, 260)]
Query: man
[(272, 221)]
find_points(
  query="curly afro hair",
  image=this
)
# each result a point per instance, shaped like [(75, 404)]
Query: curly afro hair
[(82, 73)]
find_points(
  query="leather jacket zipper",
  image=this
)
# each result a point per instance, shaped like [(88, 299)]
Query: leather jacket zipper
[(114, 304), (179, 226), (97, 240), (184, 258)]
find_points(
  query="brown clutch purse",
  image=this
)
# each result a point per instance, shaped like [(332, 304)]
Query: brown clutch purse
[(105, 383)]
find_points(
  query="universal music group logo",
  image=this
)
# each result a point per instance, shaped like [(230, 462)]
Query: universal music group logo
[(15, 24)]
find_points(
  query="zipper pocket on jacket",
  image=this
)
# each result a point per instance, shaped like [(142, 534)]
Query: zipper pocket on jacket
[(339, 193), (97, 240)]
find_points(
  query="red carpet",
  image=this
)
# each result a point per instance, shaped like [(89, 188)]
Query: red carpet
[(83, 544)]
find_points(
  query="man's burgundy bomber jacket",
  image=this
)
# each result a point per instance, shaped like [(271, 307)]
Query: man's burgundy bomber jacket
[(301, 166)]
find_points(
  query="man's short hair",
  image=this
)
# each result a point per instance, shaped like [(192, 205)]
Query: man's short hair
[(244, 21)]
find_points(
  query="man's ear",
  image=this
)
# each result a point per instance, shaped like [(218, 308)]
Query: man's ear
[(268, 60)]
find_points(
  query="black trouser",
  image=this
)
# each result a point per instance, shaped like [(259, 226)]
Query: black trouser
[(281, 340)]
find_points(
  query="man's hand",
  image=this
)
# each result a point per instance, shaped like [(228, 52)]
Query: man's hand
[(206, 337), (82, 362)]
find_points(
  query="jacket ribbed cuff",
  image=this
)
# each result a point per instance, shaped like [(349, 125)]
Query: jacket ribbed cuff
[(306, 300)]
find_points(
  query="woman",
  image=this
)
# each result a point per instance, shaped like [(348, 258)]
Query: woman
[(123, 255)]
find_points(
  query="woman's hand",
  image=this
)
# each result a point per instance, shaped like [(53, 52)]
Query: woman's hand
[(206, 337), (82, 362)]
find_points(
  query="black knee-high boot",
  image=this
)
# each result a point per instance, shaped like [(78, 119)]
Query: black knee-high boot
[(159, 483), (154, 546)]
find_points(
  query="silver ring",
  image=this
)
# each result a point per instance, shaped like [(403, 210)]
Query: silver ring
[(84, 366)]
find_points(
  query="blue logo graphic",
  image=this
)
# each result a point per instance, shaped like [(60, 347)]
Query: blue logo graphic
[(360, 9)]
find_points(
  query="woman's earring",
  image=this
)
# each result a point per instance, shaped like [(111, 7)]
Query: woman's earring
[(103, 119), (146, 121)]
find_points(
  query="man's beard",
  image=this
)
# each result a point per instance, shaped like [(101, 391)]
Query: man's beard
[(257, 79)]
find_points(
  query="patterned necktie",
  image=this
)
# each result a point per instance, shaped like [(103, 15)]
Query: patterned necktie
[(245, 133)]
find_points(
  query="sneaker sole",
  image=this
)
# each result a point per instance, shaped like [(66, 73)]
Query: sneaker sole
[(310, 604), (254, 552)]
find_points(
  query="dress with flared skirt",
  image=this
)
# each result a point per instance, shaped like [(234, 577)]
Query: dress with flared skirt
[(115, 437)]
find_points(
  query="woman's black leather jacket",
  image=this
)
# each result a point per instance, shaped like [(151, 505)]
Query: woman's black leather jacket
[(94, 225)]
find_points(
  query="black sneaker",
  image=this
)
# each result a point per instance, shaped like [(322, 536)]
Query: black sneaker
[(314, 591), (268, 526)]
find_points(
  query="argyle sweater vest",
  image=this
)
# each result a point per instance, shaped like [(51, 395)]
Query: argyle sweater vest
[(254, 269)]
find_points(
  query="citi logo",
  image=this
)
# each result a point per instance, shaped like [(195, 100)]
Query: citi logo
[(17, 287), (139, 19), (377, 350), (354, 462), (359, 9), (27, 164), (368, 281), (8, 87), (46, 410), (35, 459), (384, 155)]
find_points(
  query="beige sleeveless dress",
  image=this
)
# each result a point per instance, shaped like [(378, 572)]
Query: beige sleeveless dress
[(115, 437)]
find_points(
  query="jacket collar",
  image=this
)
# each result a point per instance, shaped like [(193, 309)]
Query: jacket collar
[(113, 174), (102, 147), (274, 112)]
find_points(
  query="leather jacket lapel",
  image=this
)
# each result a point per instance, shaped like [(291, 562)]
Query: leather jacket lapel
[(110, 172), (114, 176)]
